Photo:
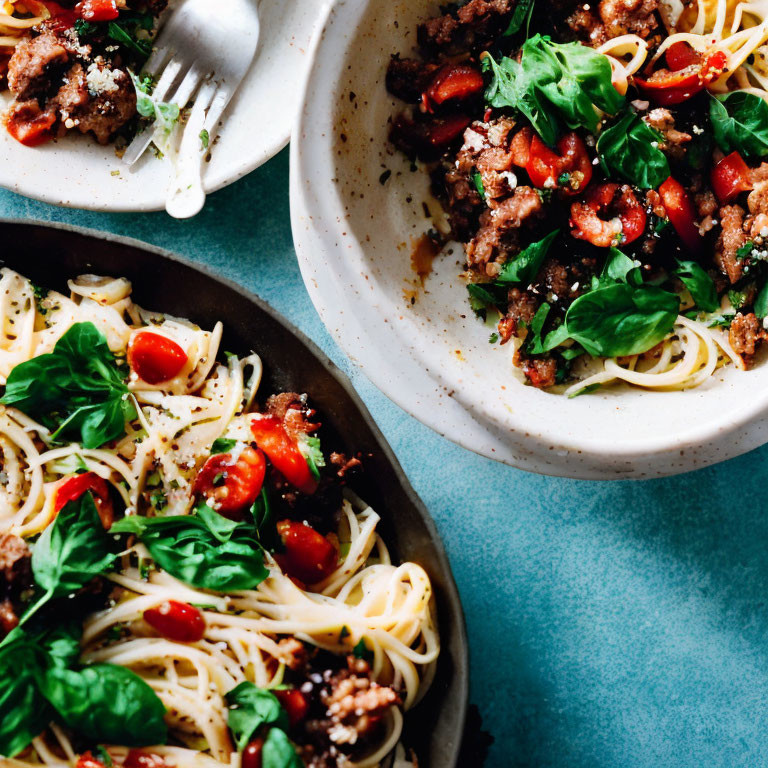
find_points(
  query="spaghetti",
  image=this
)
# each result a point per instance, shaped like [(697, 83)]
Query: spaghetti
[(362, 601)]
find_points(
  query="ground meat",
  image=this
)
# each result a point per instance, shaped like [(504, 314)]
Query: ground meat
[(706, 206), (15, 576), (344, 464), (522, 306), (613, 18), (758, 197), (102, 112), (294, 412), (463, 202), (487, 149), (541, 371), (674, 141), (555, 278), (745, 335), (34, 64), (490, 246), (732, 237), (293, 653), (407, 79), (470, 27)]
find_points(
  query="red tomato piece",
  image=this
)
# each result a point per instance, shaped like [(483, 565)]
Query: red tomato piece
[(730, 177), (155, 358), (595, 219), (308, 556), (30, 126), (294, 703), (87, 760), (74, 487), (446, 130), (138, 759), (546, 167), (452, 82), (667, 87), (229, 485), (680, 212), (180, 622), (63, 18), (681, 55), (97, 10), (283, 452), (252, 754)]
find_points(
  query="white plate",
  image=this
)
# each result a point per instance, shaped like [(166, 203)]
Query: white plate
[(353, 236), (78, 173)]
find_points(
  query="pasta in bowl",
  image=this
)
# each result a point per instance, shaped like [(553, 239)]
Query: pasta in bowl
[(175, 611), (463, 231)]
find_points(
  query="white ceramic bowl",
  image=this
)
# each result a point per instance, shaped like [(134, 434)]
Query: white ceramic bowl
[(76, 172), (354, 239)]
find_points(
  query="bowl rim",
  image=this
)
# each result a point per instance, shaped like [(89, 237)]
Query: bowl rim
[(449, 590), (535, 451)]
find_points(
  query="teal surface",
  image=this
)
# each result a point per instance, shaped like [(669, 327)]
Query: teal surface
[(612, 625)]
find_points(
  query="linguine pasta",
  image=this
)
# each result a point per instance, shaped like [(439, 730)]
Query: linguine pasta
[(365, 598)]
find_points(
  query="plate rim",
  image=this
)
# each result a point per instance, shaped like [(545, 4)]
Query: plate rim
[(450, 591)]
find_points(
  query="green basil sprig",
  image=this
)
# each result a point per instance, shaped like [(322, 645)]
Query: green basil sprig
[(699, 284), (278, 752), (204, 550), (69, 553), (629, 149), (524, 267), (552, 84), (77, 389), (740, 123)]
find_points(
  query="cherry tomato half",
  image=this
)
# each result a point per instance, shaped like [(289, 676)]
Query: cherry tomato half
[(667, 87), (680, 212), (97, 10), (730, 177), (155, 358), (547, 168), (308, 556), (283, 452), (180, 622), (252, 754), (87, 760), (74, 487), (681, 55), (231, 485), (138, 759), (294, 702), (452, 82), (62, 18)]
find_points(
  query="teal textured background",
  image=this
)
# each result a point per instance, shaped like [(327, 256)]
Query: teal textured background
[(615, 625)]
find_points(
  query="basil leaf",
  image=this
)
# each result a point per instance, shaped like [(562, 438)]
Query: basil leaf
[(621, 319), (617, 269), (535, 345), (250, 708), (699, 283), (520, 16), (740, 123), (221, 527), (627, 149), (62, 645), (313, 454), (279, 752), (70, 552), (120, 33), (222, 445), (78, 380), (761, 302), (526, 265), (24, 713), (567, 81), (361, 651), (107, 703), (198, 552)]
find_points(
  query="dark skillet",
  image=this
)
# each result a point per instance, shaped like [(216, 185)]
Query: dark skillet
[(49, 255)]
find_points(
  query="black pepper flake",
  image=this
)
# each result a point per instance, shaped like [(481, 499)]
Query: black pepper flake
[(384, 178)]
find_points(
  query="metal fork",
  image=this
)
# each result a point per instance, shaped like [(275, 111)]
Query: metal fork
[(201, 56)]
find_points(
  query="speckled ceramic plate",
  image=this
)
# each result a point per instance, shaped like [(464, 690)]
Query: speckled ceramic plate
[(354, 230), (78, 173)]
